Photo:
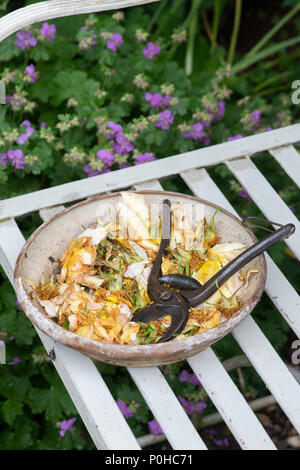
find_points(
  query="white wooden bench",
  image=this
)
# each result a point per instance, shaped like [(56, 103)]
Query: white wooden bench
[(97, 407)]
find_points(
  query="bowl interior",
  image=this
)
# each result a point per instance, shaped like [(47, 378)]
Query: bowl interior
[(48, 243)]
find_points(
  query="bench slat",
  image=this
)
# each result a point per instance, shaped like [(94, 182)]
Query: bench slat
[(232, 406), (42, 11), (289, 159), (266, 198), (166, 409), (161, 168), (90, 394), (240, 418), (255, 345), (271, 368)]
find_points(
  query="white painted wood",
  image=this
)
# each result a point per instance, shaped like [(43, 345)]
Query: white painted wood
[(280, 291), (266, 198), (153, 386), (50, 212), (48, 10), (2, 352), (229, 401), (11, 242), (281, 383), (255, 345), (289, 159), (164, 167), (239, 417), (209, 420), (166, 409), (92, 398)]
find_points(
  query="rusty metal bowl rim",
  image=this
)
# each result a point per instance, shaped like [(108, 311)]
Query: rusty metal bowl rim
[(143, 355)]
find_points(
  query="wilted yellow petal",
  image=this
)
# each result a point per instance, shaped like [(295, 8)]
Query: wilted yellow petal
[(129, 336), (208, 270), (85, 331), (101, 331)]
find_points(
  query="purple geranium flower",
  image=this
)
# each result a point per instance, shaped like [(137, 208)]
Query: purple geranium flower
[(126, 412), (155, 428), (157, 100), (114, 42), (165, 119), (18, 305), (255, 117), (188, 405), (151, 50), (16, 360), (290, 207), (217, 114), (90, 171), (167, 100), (183, 376), (16, 158), (221, 109), (196, 132), (236, 137), (106, 157), (3, 159), (243, 194), (211, 432), (66, 425), (29, 131), (25, 40), (105, 170), (193, 379), (43, 124), (124, 165), (48, 31), (122, 145), (22, 139), (191, 406), (30, 70), (116, 128), (200, 406), (222, 442), (144, 158), (218, 442)]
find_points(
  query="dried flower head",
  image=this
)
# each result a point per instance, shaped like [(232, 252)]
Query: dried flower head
[(141, 35), (140, 81), (179, 36), (118, 16)]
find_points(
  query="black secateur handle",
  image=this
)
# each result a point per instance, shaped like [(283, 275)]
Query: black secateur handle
[(202, 293)]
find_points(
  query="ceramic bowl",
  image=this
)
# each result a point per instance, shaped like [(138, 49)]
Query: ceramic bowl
[(50, 240)]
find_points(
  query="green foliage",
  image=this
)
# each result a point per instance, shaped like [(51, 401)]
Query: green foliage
[(78, 89)]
